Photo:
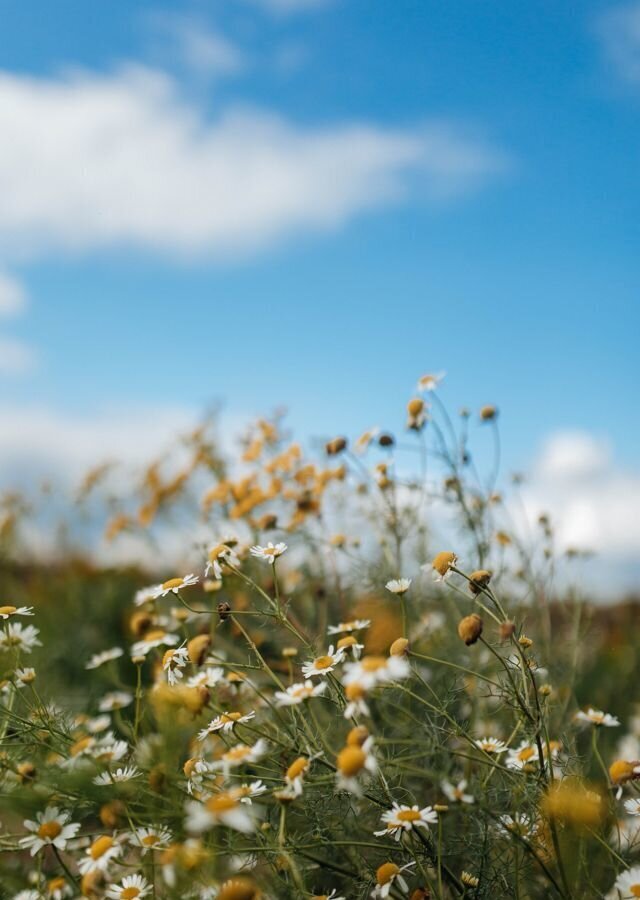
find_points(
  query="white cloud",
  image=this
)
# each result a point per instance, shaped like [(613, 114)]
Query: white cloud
[(592, 501), (13, 297), (197, 45), (16, 357), (619, 31), (123, 159), (285, 7)]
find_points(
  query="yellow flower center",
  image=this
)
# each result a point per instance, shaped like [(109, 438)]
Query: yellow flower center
[(221, 803), (171, 584), (100, 847), (526, 753), (323, 662), (373, 663), (56, 884), (408, 815), (350, 760), (49, 831), (149, 840), (129, 893), (80, 745), (237, 753), (386, 872), (634, 889), (7, 610), (297, 767), (348, 641), (230, 717)]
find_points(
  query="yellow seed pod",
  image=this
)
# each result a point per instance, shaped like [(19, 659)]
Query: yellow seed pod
[(443, 561), (415, 406), (488, 413), (470, 629), (479, 580), (197, 648), (400, 647), (622, 770), (350, 760), (386, 872)]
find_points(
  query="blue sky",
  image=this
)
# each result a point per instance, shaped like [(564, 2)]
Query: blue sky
[(446, 186)]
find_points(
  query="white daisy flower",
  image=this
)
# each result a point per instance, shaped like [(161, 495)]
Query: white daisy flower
[(298, 693), (115, 700), (242, 754), (456, 793), (151, 838), (125, 773), (100, 854), (197, 769), (375, 670), (632, 806), (294, 776), (356, 696), (208, 677), (98, 659), (520, 824), (25, 676), (269, 553), (597, 717), (225, 808), (108, 749), (174, 585), (322, 665), (523, 757), (155, 638), (628, 884), (247, 792), (7, 611), (348, 627), (217, 557), (50, 827), (491, 745), (98, 723), (389, 875), (132, 887), (430, 382), (225, 722), (19, 637), (173, 662), (398, 585), (401, 818), (352, 762), (146, 594), (349, 644)]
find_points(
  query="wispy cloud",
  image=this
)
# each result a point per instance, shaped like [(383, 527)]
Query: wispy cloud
[(125, 160), (197, 45), (16, 357), (287, 7), (619, 32), (13, 297)]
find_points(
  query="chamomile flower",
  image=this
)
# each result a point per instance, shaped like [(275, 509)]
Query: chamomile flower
[(224, 808), (349, 644), (173, 662), (523, 757), (51, 827), (115, 700), (269, 553), (632, 806), (322, 665), (400, 819), (151, 838), (25, 676), (98, 723), (99, 659), (100, 854), (356, 696), (158, 637), (242, 754), (375, 670), (520, 824), (218, 556), (442, 564), (352, 763), (389, 875), (456, 793), (348, 627), (126, 773), (298, 693), (146, 594), (398, 586), (19, 637), (132, 887), (491, 745), (248, 792), (294, 776), (175, 585), (628, 884), (225, 722), (430, 382), (6, 612), (208, 677), (597, 717)]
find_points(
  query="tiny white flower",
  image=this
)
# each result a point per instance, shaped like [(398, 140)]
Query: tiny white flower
[(597, 717), (242, 754), (398, 585), (99, 855), (269, 553), (491, 745), (388, 876), (628, 884), (173, 662), (208, 677), (146, 594), (98, 659), (632, 807), (322, 665), (19, 637), (50, 827), (7, 611), (400, 819), (25, 676), (119, 775), (153, 639), (132, 887), (376, 670), (151, 838), (225, 722), (298, 693), (430, 382), (175, 585), (115, 700), (456, 793), (225, 808), (523, 756)]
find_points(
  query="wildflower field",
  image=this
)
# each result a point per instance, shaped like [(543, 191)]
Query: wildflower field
[(372, 677)]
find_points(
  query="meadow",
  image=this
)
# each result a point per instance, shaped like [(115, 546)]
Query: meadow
[(370, 678)]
